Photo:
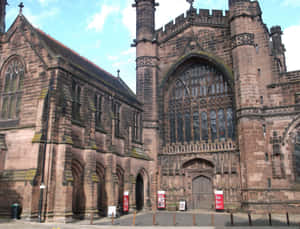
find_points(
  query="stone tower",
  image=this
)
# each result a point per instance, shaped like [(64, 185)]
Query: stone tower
[(244, 18), (3, 4), (146, 78)]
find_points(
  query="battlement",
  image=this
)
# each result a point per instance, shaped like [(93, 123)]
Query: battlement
[(203, 17)]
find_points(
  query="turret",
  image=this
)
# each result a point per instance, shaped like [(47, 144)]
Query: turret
[(278, 49), (3, 4), (146, 77), (245, 17), (145, 19)]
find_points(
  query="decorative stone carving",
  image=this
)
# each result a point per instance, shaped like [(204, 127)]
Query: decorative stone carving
[(242, 39)]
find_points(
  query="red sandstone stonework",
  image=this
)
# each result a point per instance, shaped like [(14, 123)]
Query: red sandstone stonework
[(215, 109)]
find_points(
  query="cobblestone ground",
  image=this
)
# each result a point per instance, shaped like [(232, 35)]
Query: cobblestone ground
[(163, 219)]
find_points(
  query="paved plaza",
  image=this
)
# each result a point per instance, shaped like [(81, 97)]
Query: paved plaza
[(167, 219)]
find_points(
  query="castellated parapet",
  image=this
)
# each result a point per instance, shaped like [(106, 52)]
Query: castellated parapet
[(203, 17)]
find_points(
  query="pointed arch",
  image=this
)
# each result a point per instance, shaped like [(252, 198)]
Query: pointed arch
[(78, 195), (101, 190), (142, 192), (196, 92)]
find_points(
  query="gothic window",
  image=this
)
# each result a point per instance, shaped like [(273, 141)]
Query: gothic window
[(136, 126), (116, 111), (179, 128), (98, 107), (187, 127), (12, 90), (297, 158), (199, 106), (213, 125), (221, 124), (204, 126), (76, 91), (196, 126)]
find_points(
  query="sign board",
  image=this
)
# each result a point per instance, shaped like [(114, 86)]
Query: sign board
[(219, 200), (112, 211), (182, 205), (126, 202), (161, 199)]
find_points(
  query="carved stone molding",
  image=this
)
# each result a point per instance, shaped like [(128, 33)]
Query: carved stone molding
[(146, 61), (242, 39)]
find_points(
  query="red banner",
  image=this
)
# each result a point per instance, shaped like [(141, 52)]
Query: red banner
[(219, 200), (126, 202)]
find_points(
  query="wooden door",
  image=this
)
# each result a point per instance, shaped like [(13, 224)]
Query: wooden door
[(202, 193)]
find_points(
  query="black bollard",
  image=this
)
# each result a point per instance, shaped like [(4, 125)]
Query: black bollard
[(270, 219), (249, 218), (287, 219), (231, 219)]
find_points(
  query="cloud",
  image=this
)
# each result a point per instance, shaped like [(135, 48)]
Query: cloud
[(294, 3), (97, 21), (291, 41), (46, 2)]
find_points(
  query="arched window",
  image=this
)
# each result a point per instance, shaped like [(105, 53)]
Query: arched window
[(221, 124), (12, 90), (204, 126), (297, 158), (199, 105), (196, 126), (213, 125)]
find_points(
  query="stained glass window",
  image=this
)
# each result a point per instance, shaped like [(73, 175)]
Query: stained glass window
[(204, 126), (196, 127), (12, 90), (213, 125), (187, 127), (221, 124), (199, 106)]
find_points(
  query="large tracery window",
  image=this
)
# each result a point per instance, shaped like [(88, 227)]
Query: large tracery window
[(12, 90), (200, 106)]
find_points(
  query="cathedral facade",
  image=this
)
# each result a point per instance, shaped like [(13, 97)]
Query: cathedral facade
[(215, 109)]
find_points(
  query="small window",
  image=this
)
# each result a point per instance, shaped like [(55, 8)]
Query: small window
[(116, 111), (98, 107), (76, 105), (266, 157), (136, 126), (269, 183), (261, 100), (264, 129)]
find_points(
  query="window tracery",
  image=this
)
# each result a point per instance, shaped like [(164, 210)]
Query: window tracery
[(200, 106), (12, 90)]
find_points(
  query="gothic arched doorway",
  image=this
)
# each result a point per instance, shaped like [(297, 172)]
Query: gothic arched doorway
[(202, 197), (101, 192), (139, 192), (120, 188), (78, 196)]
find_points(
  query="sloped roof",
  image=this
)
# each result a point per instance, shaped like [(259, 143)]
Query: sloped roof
[(59, 49)]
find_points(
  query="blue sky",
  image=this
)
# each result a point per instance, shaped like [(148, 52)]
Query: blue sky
[(102, 30)]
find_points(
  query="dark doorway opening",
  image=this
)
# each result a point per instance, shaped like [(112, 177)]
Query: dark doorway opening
[(139, 193)]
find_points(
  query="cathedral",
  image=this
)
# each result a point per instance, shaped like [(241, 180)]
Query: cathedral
[(215, 109)]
